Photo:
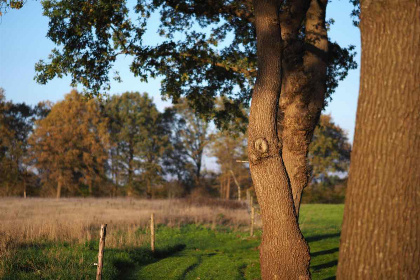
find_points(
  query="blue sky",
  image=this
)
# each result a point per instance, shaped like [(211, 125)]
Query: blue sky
[(23, 43)]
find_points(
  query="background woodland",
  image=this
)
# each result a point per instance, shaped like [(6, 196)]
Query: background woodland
[(123, 146)]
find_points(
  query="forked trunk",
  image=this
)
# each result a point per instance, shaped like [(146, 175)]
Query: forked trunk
[(381, 232), (284, 254), (303, 87)]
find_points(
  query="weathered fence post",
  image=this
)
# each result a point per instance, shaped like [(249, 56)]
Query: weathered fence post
[(101, 252), (252, 217), (152, 232)]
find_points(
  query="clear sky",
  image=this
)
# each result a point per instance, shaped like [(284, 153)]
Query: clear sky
[(23, 42)]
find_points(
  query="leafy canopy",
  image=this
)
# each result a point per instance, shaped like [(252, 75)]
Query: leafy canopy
[(207, 49)]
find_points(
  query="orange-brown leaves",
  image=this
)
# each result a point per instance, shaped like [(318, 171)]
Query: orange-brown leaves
[(69, 145)]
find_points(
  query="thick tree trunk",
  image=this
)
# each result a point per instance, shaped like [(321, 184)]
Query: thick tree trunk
[(303, 87), (380, 235), (284, 253)]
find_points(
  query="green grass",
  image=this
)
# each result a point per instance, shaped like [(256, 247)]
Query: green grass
[(188, 252)]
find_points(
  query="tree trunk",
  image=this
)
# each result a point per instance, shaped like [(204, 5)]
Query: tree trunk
[(24, 185), (130, 191), (149, 194), (221, 187), (303, 87), (380, 234), (58, 189), (237, 184), (90, 189), (284, 253), (198, 169), (228, 187)]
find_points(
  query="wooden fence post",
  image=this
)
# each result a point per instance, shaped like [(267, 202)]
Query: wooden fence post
[(252, 220), (252, 215), (101, 252), (152, 232)]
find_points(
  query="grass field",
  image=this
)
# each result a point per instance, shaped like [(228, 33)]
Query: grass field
[(197, 242)]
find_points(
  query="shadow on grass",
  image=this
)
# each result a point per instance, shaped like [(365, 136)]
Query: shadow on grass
[(36, 246), (322, 237), (325, 252), (191, 267), (140, 257), (169, 251), (325, 265)]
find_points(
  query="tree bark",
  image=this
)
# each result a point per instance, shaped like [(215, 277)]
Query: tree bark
[(284, 254), (303, 87), (380, 234)]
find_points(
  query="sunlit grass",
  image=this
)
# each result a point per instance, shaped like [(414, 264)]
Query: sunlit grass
[(192, 246)]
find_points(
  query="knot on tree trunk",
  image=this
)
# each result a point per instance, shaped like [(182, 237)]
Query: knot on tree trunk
[(261, 145), (262, 149)]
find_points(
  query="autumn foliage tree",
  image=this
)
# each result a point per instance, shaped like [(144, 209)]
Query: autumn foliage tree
[(69, 147)]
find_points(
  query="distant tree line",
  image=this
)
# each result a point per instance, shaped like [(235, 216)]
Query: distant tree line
[(124, 146)]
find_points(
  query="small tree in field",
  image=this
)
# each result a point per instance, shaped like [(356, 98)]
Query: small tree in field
[(68, 147)]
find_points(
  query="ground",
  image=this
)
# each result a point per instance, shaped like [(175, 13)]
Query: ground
[(199, 250)]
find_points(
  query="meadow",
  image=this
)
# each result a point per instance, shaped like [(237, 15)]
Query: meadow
[(195, 239)]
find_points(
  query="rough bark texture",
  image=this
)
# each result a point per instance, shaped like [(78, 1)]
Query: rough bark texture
[(380, 235), (303, 87), (284, 254)]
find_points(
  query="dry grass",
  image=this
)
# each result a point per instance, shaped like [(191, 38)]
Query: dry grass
[(77, 220)]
